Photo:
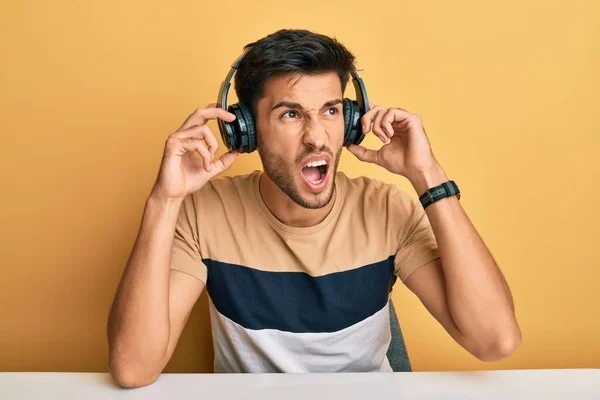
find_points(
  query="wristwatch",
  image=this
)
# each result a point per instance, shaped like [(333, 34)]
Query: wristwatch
[(437, 193)]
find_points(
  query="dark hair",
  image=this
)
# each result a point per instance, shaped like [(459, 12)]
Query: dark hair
[(292, 52)]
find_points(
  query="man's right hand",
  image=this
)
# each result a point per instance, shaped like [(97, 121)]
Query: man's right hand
[(181, 172)]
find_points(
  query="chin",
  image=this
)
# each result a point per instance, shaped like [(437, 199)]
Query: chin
[(313, 200)]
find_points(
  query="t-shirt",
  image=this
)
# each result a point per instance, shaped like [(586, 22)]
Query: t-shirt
[(301, 299)]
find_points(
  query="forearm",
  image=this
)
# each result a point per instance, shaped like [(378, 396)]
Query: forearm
[(138, 326), (478, 296)]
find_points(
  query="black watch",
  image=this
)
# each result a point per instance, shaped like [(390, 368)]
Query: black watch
[(437, 193)]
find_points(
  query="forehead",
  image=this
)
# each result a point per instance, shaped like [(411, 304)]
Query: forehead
[(303, 89)]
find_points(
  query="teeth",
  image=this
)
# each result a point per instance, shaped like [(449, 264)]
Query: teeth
[(316, 163)]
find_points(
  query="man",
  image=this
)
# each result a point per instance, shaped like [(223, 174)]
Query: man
[(299, 260)]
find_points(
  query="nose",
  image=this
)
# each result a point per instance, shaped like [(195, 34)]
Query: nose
[(315, 134)]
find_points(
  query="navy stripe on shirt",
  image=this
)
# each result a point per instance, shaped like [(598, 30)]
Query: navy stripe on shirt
[(295, 301)]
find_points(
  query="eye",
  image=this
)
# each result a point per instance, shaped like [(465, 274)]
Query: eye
[(290, 114), (331, 111)]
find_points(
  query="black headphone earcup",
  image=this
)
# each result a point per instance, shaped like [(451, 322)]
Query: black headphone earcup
[(240, 134), (230, 131), (248, 135), (352, 127)]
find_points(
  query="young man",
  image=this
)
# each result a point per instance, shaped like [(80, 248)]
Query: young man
[(299, 260)]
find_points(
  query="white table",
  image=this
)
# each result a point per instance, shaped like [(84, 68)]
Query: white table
[(573, 384)]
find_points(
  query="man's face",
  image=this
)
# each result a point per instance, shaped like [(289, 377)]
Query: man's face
[(300, 128)]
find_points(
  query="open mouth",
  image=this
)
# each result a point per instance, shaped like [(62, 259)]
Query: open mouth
[(315, 171)]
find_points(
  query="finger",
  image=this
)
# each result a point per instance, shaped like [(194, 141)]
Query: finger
[(387, 127), (192, 145), (403, 117), (203, 115), (211, 141), (369, 115), (367, 119), (202, 132), (206, 156), (386, 122), (377, 128), (363, 154)]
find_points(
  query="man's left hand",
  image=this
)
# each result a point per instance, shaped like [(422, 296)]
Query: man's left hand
[(406, 151)]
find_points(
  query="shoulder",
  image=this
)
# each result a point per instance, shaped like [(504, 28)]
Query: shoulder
[(376, 194), (223, 192), (238, 185)]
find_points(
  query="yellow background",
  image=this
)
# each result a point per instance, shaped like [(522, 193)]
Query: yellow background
[(89, 91)]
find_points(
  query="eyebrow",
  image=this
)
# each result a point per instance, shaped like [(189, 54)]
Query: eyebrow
[(297, 106)]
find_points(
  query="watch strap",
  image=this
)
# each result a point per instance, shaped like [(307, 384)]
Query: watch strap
[(437, 193)]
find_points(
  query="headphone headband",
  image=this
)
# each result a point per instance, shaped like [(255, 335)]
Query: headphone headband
[(359, 86), (224, 89)]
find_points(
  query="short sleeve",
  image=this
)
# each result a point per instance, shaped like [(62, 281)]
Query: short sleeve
[(417, 244), (186, 256)]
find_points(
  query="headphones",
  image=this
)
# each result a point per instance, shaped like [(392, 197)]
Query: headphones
[(240, 134)]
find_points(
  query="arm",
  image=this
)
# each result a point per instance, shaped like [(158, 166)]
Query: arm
[(152, 304), (154, 300), (464, 290)]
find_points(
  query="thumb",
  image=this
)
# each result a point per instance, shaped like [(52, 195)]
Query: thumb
[(224, 162), (363, 154)]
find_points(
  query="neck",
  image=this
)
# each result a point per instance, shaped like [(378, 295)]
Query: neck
[(286, 210)]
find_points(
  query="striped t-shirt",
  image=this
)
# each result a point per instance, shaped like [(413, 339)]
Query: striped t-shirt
[(301, 299)]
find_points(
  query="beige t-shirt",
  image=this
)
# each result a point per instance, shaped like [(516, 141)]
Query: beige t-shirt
[(288, 299)]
